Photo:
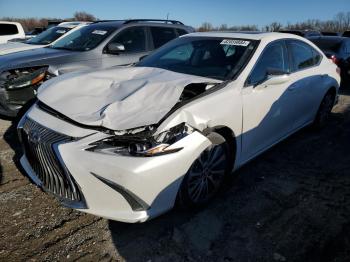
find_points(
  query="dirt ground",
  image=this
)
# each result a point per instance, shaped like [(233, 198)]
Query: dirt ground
[(290, 204)]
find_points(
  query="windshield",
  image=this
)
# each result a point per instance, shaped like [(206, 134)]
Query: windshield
[(48, 36), (210, 57), (332, 46), (85, 38)]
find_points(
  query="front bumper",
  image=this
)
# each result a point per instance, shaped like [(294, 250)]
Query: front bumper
[(111, 183), (7, 109), (11, 101)]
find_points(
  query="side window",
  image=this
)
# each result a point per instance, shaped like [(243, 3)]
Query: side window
[(181, 32), (317, 57), (304, 56), (133, 39), (162, 35), (8, 29), (274, 57)]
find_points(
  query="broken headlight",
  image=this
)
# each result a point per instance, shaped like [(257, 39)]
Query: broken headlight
[(22, 78), (141, 146)]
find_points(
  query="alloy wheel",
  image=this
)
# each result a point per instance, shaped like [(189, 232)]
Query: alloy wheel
[(206, 174)]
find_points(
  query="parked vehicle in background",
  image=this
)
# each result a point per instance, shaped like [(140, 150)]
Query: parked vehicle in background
[(330, 34), (171, 128), (10, 30), (303, 33), (338, 50), (52, 23), (35, 32), (100, 44), (44, 39)]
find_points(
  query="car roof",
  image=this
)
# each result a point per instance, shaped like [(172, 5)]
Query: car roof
[(245, 35), (73, 24), (329, 38), (160, 22), (10, 23)]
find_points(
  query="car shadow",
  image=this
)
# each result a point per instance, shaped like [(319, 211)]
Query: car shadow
[(344, 91), (11, 138), (1, 175)]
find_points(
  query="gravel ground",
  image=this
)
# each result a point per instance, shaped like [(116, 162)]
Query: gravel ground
[(290, 204)]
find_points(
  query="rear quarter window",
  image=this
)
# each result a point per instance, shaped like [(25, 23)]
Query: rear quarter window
[(162, 35), (303, 55), (8, 29), (181, 32)]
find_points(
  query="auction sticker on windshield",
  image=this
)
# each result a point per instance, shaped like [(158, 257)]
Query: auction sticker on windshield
[(235, 42), (99, 32), (61, 31)]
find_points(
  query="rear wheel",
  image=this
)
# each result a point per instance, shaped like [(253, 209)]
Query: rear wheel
[(205, 177), (324, 110)]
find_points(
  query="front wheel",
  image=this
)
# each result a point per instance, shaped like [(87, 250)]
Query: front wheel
[(324, 110), (205, 177)]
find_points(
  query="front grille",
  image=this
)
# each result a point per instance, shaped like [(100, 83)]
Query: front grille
[(39, 145)]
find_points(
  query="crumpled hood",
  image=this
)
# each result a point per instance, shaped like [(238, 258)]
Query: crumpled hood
[(117, 98), (13, 47)]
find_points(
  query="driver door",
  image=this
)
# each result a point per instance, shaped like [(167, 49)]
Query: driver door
[(268, 109), (134, 41)]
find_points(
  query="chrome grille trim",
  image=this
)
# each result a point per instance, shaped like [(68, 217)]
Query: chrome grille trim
[(41, 149)]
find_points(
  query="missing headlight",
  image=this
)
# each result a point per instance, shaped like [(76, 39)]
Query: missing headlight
[(25, 77), (154, 145)]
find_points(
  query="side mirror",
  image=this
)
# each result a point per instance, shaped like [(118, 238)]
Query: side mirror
[(276, 80), (115, 48), (274, 77)]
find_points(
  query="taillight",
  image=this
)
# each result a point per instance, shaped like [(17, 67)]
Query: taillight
[(335, 60)]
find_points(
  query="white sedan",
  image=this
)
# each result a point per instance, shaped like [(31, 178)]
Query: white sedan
[(129, 143)]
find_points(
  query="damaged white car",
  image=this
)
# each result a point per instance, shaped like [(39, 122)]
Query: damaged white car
[(130, 143)]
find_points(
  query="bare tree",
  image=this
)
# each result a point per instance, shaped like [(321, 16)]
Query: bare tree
[(342, 21), (83, 16), (273, 27), (205, 27), (223, 27)]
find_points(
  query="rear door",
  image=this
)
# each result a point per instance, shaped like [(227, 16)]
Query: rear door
[(308, 79), (162, 35)]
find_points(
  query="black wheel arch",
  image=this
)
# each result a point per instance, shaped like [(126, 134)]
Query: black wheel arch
[(230, 138)]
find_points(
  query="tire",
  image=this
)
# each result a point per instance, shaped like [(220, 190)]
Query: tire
[(324, 110), (205, 177)]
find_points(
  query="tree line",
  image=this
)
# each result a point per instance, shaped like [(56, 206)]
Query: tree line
[(30, 23), (340, 23)]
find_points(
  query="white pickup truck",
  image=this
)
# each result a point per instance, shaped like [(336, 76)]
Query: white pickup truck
[(10, 30)]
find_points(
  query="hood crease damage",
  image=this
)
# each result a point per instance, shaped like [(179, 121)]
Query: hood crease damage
[(121, 98)]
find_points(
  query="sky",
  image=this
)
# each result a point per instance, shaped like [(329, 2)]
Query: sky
[(191, 12)]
